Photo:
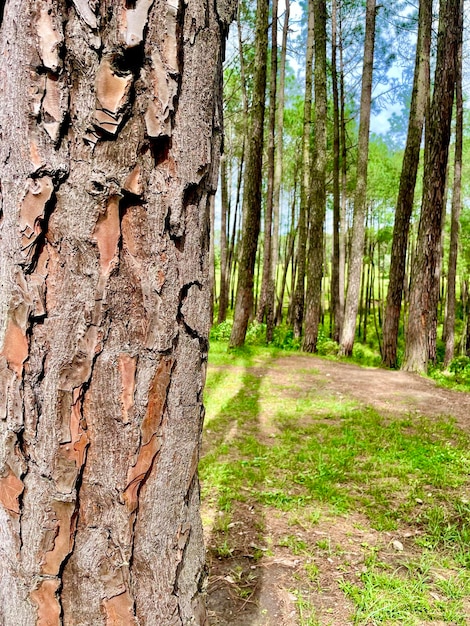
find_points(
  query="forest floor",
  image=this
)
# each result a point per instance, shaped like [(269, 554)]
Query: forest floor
[(334, 495)]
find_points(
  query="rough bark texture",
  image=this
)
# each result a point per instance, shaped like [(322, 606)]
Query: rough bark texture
[(252, 183), (304, 211), (265, 307), (360, 198), (336, 300), (449, 330), (108, 161), (315, 260), (418, 108), (426, 264)]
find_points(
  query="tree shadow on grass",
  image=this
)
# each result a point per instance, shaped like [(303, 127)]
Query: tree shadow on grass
[(233, 521)]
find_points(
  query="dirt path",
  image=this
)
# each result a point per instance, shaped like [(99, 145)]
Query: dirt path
[(385, 390), (270, 598)]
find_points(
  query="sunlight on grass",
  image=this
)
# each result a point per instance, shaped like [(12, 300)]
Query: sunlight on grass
[(295, 449)]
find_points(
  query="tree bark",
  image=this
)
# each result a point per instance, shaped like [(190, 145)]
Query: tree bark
[(357, 242), (316, 247), (110, 122), (425, 270), (252, 183), (335, 308), (449, 330), (271, 295), (304, 211), (418, 108), (225, 210), (263, 311)]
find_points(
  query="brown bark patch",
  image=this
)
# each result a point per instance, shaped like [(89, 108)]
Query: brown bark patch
[(11, 487), (15, 348), (127, 367), (44, 597), (49, 40), (133, 183), (61, 536), (112, 93), (133, 22), (151, 443), (119, 610), (32, 212), (107, 234)]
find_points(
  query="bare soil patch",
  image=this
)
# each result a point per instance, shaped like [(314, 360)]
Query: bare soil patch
[(258, 582)]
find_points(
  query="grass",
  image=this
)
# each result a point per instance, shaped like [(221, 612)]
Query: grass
[(312, 451)]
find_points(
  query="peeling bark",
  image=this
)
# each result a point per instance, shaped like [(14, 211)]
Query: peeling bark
[(110, 122)]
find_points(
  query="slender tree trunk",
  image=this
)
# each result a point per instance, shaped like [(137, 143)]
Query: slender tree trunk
[(339, 318), (108, 163), (268, 213), (423, 294), (357, 243), (318, 194), (252, 183), (456, 206), (335, 263), (304, 211), (271, 299), (225, 210), (418, 108)]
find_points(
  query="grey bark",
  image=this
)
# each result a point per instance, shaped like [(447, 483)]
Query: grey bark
[(360, 198), (318, 187), (419, 106), (449, 325), (426, 264), (110, 123), (298, 297), (252, 183)]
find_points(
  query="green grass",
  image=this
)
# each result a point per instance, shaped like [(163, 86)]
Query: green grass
[(408, 471)]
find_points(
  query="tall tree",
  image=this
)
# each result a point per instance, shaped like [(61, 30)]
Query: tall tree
[(449, 331), (425, 270), (108, 163), (252, 182), (278, 168), (318, 193), (360, 198), (304, 211), (419, 106), (264, 310), (336, 299)]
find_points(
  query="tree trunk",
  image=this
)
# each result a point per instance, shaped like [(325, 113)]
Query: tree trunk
[(357, 242), (108, 162), (316, 247), (271, 300), (252, 183), (225, 210), (335, 263), (418, 108), (449, 330), (423, 294), (304, 211), (263, 311)]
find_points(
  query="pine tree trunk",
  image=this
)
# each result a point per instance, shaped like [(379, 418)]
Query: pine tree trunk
[(225, 210), (271, 299), (252, 183), (357, 242), (425, 270), (304, 212), (316, 247), (108, 163), (418, 108), (336, 313), (449, 330), (263, 311)]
